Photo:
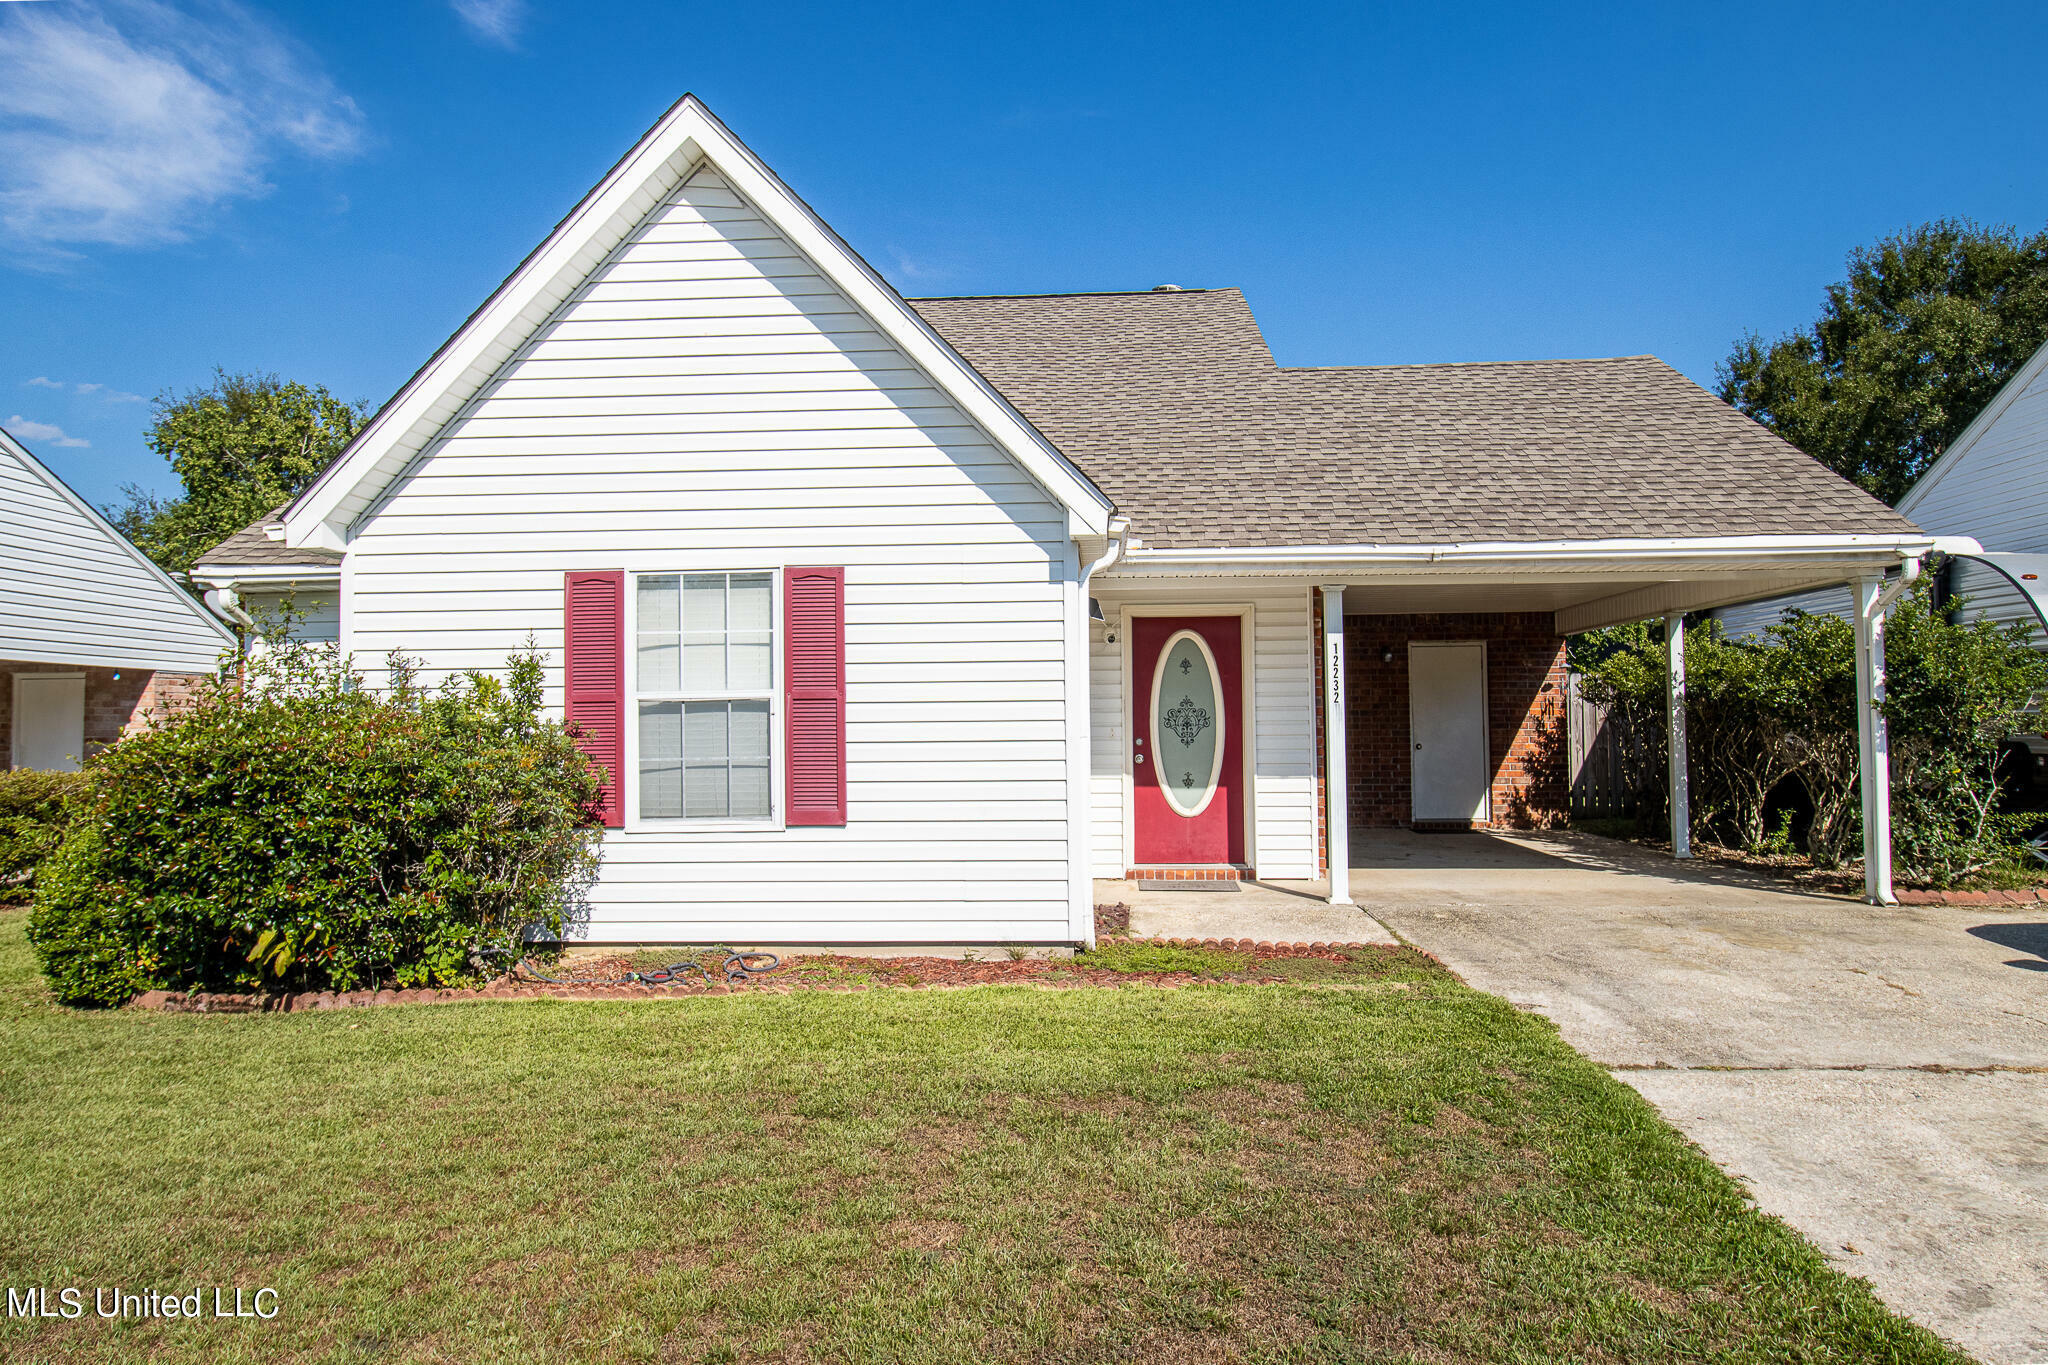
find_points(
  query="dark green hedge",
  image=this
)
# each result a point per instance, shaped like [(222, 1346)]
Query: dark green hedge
[(33, 811), (303, 832)]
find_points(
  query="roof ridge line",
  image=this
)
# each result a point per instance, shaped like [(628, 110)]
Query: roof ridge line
[(1475, 364), (1076, 294)]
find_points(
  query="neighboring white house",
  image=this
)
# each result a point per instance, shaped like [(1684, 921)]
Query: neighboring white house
[(93, 636), (1990, 485), (897, 621)]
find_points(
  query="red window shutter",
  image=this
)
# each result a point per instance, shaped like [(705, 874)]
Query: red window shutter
[(594, 690), (814, 672)]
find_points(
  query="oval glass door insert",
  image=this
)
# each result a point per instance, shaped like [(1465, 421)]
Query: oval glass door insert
[(1187, 724)]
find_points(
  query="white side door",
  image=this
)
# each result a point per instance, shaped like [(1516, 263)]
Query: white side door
[(1447, 732), (49, 720)]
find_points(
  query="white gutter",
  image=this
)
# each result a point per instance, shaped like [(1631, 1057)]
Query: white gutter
[(1080, 806), (1557, 552), (236, 575)]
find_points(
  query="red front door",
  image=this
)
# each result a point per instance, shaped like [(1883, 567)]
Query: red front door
[(1187, 738)]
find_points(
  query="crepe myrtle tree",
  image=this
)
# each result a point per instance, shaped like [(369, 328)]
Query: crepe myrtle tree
[(290, 828)]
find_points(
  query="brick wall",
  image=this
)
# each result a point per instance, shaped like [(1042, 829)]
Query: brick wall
[(1525, 713), (118, 701)]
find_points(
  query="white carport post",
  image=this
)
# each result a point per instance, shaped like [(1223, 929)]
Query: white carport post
[(1674, 716), (1336, 810), (1874, 744)]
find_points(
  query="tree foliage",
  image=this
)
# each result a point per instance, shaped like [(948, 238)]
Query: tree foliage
[(301, 831), (1907, 350), (241, 447)]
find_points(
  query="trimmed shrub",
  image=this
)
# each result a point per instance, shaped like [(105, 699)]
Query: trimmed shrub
[(1757, 713), (294, 830), (1956, 691), (34, 807)]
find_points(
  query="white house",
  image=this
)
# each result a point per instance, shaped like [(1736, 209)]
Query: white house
[(897, 621), (1990, 485), (94, 638)]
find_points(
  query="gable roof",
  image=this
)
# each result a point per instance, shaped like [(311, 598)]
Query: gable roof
[(73, 590), (255, 546), (1946, 464), (1171, 403), (685, 137)]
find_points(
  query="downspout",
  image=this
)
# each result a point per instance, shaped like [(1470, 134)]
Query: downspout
[(226, 603), (1080, 844)]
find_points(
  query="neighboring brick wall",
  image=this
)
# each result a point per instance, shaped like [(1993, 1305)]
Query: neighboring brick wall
[(1525, 681), (114, 705)]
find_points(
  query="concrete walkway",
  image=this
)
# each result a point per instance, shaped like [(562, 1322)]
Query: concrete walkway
[(1877, 1077), (1268, 912)]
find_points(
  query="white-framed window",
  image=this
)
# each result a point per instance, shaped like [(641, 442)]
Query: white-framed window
[(703, 699)]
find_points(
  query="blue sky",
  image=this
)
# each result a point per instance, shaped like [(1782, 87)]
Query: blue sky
[(326, 191)]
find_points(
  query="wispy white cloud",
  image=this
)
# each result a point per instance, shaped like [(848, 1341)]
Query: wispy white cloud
[(125, 121), (45, 432), (494, 21), (105, 394)]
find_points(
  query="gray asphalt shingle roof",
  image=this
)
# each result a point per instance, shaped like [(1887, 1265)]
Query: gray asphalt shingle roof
[(252, 547), (1173, 405)]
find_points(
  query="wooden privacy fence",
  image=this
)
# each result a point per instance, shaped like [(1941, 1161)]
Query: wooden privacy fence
[(1597, 743)]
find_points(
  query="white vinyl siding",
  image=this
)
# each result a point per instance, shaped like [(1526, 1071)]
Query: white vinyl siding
[(318, 612), (1283, 839), (73, 592), (1752, 619), (1996, 489), (708, 402)]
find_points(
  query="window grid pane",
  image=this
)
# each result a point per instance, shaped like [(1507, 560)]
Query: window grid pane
[(697, 633)]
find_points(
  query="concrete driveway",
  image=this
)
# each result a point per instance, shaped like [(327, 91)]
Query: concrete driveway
[(1878, 1078)]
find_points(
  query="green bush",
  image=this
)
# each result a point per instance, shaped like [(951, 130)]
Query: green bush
[(33, 810), (295, 830), (1956, 692), (1759, 712)]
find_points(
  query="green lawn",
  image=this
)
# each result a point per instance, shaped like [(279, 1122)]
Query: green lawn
[(1402, 1171)]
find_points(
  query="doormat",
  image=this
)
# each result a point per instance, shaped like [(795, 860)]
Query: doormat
[(1230, 886)]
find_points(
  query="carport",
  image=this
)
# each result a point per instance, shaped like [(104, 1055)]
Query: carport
[(1584, 586)]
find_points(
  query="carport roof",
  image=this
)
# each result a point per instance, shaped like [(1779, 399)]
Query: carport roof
[(1172, 403)]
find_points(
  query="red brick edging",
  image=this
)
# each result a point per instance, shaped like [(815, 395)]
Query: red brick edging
[(507, 988), (2033, 895), (1236, 945)]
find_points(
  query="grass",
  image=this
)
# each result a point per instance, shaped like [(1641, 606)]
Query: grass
[(1163, 957), (1408, 1172)]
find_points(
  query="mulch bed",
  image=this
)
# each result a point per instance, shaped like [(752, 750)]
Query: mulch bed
[(607, 978)]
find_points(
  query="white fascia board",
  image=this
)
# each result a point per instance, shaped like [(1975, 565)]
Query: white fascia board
[(1981, 423), (1716, 554), (122, 543), (688, 134), (267, 575)]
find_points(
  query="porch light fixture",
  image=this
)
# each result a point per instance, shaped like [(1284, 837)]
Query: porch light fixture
[(1387, 655), (1096, 616)]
